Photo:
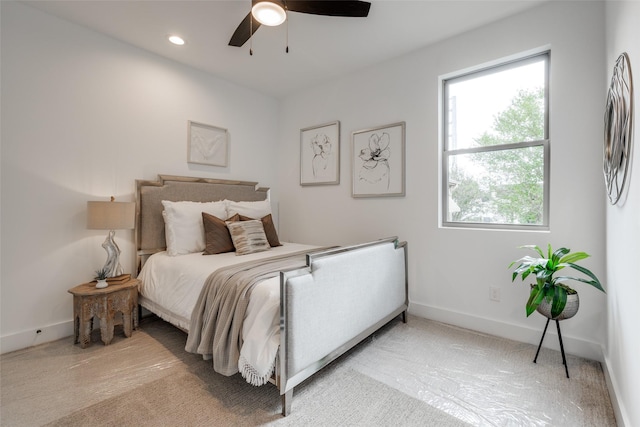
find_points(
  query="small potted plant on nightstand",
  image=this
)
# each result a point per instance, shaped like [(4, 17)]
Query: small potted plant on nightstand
[(101, 277), (550, 296)]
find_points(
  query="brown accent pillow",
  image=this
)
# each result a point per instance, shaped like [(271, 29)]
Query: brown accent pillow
[(269, 229), (216, 234)]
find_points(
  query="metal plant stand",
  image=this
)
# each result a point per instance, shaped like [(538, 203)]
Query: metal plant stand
[(564, 359)]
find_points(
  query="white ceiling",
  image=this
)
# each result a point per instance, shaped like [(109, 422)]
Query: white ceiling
[(320, 47)]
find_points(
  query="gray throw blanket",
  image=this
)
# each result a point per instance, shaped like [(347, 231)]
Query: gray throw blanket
[(215, 329)]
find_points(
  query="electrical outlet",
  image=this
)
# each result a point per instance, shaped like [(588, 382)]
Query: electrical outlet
[(494, 293)]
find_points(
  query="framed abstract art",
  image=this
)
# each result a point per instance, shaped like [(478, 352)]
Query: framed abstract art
[(207, 145), (320, 154)]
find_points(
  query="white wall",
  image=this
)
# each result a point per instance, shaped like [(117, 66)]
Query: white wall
[(451, 270), (83, 117), (623, 234)]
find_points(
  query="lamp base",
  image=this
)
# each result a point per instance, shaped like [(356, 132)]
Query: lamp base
[(112, 266)]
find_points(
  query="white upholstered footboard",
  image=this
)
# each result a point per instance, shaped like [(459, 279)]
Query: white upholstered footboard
[(340, 298)]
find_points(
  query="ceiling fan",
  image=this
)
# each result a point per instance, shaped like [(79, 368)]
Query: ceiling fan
[(262, 10)]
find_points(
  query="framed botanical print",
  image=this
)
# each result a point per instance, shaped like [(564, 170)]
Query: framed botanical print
[(379, 161)]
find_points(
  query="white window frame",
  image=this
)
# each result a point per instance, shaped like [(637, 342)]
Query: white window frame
[(445, 153)]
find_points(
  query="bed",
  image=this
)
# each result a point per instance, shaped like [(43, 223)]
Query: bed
[(288, 309)]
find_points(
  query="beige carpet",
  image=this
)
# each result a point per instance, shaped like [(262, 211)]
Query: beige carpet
[(337, 398), (418, 374)]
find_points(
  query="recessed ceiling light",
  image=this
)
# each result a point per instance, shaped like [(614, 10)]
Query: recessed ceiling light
[(176, 40)]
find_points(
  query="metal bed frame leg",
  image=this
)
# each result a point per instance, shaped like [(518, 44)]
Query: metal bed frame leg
[(564, 359), (287, 397)]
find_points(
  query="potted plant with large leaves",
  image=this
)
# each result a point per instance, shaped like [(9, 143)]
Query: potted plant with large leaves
[(550, 294)]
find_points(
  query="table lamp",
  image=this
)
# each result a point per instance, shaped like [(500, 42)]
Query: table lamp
[(111, 216)]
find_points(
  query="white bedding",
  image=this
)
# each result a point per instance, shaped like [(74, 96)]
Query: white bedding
[(170, 286)]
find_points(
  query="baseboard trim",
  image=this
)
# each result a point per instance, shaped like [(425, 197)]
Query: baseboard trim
[(572, 345), (622, 419), (30, 338)]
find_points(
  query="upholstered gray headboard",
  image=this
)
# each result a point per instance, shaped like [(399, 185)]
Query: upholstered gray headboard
[(149, 230)]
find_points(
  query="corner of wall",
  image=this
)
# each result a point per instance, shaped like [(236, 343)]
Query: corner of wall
[(622, 420)]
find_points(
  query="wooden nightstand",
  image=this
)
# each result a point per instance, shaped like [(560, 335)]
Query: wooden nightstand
[(90, 302)]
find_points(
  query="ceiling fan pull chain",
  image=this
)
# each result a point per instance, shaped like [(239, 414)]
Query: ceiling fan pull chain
[(286, 13), (250, 35)]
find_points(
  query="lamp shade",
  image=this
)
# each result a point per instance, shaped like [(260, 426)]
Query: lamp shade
[(111, 215)]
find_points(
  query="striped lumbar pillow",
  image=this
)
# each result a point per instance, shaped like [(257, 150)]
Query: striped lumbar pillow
[(248, 237)]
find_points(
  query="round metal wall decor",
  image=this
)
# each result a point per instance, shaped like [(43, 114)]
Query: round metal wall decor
[(618, 121)]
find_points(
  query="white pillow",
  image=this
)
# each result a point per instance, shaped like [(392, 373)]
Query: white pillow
[(183, 228), (255, 210)]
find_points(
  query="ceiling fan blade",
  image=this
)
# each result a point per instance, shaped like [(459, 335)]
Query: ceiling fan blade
[(244, 31), (349, 8)]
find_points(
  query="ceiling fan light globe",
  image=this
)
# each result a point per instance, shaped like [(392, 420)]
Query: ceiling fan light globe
[(268, 13)]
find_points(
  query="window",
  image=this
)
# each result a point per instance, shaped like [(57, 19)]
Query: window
[(495, 158)]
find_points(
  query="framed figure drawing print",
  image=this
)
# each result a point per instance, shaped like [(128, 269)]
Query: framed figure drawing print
[(207, 145), (320, 154), (379, 161)]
